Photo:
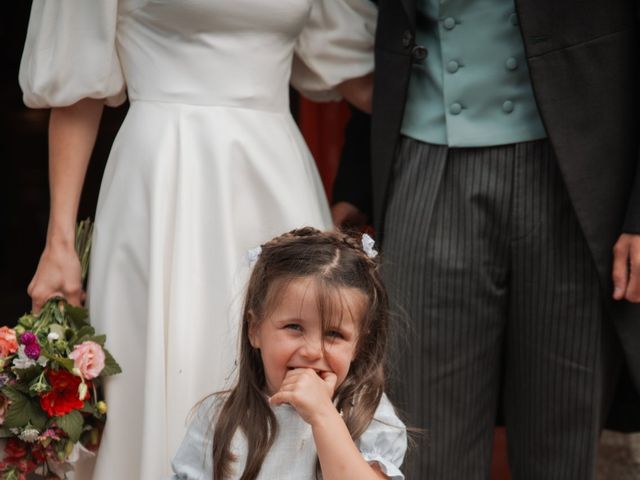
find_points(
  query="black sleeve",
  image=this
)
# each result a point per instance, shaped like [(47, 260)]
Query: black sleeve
[(632, 218), (353, 179)]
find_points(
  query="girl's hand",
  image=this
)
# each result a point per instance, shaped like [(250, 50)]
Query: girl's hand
[(309, 393), (58, 274)]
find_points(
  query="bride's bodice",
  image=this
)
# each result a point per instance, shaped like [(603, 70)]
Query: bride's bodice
[(236, 53), (212, 52)]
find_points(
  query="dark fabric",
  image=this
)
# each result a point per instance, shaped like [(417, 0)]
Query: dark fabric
[(583, 60), (486, 261), (353, 179), (624, 415)]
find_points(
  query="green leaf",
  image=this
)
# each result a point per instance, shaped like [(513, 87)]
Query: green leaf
[(25, 375), (78, 315), (83, 333), (13, 394), (18, 413), (23, 410), (64, 362), (99, 339), (71, 423), (111, 367), (19, 387), (36, 416), (27, 321), (88, 408), (12, 473)]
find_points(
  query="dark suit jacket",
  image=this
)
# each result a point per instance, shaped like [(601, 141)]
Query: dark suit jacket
[(583, 61)]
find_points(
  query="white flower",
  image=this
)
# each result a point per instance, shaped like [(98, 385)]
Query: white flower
[(53, 336), (367, 246), (78, 454), (22, 361), (253, 254), (82, 391), (29, 435)]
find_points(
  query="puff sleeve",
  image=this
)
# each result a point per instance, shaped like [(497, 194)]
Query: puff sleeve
[(70, 54), (385, 441), (336, 44), (193, 460)]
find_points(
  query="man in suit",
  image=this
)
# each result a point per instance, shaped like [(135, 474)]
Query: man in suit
[(505, 191)]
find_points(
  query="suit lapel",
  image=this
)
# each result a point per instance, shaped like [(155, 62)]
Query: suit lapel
[(410, 9)]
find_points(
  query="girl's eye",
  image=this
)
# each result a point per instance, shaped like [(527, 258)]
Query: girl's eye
[(334, 334), (293, 326)]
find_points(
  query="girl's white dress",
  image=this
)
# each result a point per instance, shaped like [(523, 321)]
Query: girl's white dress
[(207, 164), (293, 455)]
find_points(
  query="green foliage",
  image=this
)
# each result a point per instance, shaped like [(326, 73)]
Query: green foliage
[(26, 375), (111, 367), (71, 423), (23, 410), (77, 315), (84, 333), (71, 326)]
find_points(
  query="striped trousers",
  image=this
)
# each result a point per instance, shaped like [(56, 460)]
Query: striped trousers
[(490, 273)]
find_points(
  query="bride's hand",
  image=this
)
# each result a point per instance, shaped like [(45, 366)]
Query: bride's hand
[(58, 274)]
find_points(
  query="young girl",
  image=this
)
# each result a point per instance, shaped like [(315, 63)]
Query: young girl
[(309, 397)]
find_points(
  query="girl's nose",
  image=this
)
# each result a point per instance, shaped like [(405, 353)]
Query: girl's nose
[(312, 348)]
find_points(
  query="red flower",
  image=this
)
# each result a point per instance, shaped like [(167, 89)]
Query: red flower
[(63, 396), (14, 450), (38, 454)]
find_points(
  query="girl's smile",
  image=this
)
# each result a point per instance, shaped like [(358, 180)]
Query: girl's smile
[(293, 336)]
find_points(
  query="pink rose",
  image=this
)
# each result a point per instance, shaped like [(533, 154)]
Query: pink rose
[(8, 342), (88, 357)]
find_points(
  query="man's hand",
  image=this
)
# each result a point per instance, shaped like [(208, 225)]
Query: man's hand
[(346, 215), (358, 92), (626, 268)]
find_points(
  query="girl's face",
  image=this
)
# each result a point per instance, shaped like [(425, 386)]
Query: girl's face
[(293, 336)]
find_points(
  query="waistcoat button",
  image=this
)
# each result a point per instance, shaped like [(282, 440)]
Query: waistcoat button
[(449, 23), (455, 108), (511, 63), (419, 53), (507, 106)]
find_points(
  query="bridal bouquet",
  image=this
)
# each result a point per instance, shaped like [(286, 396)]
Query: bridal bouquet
[(51, 368)]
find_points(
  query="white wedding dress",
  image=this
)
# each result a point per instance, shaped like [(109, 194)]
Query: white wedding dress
[(207, 164)]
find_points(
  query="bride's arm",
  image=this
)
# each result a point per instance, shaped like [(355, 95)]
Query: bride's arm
[(72, 134)]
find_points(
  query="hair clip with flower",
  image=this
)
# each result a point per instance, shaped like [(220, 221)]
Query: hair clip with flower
[(253, 254), (367, 246)]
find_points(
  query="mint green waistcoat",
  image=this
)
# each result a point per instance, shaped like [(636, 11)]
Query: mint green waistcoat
[(473, 89)]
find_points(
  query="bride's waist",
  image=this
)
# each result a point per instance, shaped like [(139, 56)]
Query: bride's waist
[(274, 104)]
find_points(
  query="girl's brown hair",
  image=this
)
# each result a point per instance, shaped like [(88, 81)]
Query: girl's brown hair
[(335, 260)]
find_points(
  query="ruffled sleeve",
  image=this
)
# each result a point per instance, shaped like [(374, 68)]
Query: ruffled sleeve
[(385, 441), (70, 54), (336, 44), (194, 458)]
